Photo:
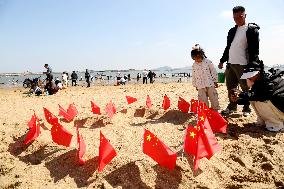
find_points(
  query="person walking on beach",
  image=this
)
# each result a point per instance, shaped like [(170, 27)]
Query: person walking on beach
[(138, 77), (65, 79), (87, 77), (145, 75), (242, 48), (74, 78), (204, 78), (150, 76)]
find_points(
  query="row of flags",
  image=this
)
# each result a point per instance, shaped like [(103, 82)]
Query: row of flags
[(199, 140)]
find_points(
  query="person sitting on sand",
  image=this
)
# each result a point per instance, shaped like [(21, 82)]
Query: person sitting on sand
[(51, 88), (204, 77), (266, 95)]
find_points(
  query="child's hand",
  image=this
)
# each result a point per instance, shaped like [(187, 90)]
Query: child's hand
[(216, 84)]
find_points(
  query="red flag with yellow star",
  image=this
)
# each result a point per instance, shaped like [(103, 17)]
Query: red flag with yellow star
[(60, 135), (166, 102), (50, 118), (216, 121), (34, 130), (81, 147), (130, 99), (106, 152), (183, 105), (190, 142), (194, 105), (158, 151), (207, 144)]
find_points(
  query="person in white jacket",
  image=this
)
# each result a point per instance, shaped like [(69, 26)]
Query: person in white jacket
[(204, 78)]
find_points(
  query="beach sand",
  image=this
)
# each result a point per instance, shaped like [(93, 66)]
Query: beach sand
[(251, 157)]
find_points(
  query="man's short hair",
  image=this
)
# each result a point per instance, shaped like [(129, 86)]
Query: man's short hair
[(239, 9), (45, 64)]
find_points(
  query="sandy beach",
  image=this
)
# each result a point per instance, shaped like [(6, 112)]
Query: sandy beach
[(250, 158)]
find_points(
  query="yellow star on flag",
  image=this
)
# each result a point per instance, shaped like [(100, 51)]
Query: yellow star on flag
[(148, 137), (192, 134), (201, 118)]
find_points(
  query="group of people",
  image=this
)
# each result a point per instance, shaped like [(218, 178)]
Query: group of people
[(146, 75), (263, 91)]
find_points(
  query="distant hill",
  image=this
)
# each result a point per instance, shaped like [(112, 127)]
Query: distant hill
[(164, 68)]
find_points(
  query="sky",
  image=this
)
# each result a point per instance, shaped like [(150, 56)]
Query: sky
[(127, 34)]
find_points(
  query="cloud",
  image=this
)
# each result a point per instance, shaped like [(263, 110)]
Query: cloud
[(226, 14)]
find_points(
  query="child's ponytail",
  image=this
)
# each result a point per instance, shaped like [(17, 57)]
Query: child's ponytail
[(197, 50)]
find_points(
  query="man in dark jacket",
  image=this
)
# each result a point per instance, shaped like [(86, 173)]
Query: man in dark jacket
[(87, 77), (242, 48), (74, 78), (266, 95)]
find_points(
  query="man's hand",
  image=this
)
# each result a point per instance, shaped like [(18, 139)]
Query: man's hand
[(220, 65)]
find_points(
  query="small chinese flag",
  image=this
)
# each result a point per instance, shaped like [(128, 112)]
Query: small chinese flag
[(166, 102), (72, 111), (158, 151), (216, 121), (130, 99), (81, 148), (110, 109), (190, 142), (50, 118), (95, 109), (70, 114), (183, 105), (34, 130), (60, 135), (106, 152), (207, 144), (194, 105), (148, 102)]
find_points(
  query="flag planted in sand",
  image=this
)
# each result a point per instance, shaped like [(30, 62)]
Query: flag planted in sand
[(166, 102), (207, 144), (130, 99), (34, 130), (216, 121), (190, 142), (60, 135), (158, 151), (110, 109), (148, 102), (95, 108), (81, 147), (183, 105), (106, 152), (50, 118), (70, 114)]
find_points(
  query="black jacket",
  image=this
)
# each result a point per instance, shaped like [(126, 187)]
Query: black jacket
[(269, 87), (252, 40)]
